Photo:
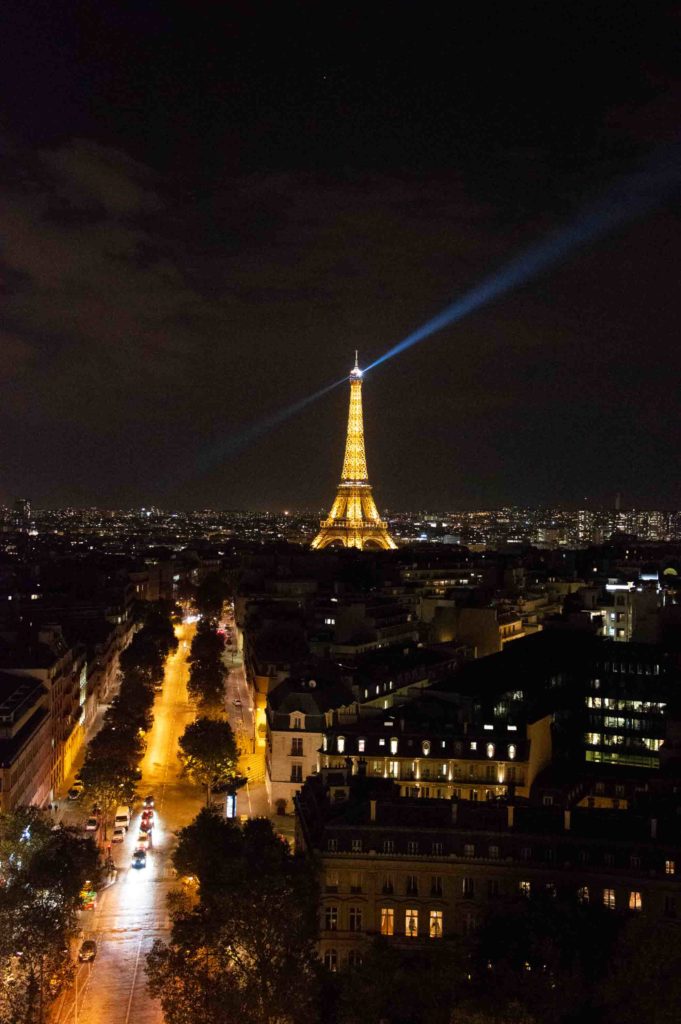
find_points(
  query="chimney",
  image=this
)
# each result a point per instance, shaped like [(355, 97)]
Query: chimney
[(566, 820), (372, 810), (510, 815), (653, 828)]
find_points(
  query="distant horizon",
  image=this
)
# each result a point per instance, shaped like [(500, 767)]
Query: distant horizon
[(290, 510)]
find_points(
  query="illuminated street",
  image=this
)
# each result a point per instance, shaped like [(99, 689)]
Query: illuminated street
[(131, 913)]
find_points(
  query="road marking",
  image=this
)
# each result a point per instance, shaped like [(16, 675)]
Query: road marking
[(134, 979)]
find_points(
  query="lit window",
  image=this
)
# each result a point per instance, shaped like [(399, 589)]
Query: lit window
[(340, 742), (435, 924), (425, 747), (490, 750), (669, 867), (511, 751), (381, 741), (583, 894), (411, 923), (393, 744), (635, 902), (325, 743), (361, 744), (329, 622), (331, 960), (331, 919), (609, 899), (387, 921), (474, 745), (524, 888)]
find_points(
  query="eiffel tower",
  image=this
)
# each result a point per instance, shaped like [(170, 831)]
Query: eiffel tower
[(354, 521)]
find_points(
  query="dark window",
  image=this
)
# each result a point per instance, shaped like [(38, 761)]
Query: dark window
[(412, 885), (436, 885), (296, 773), (468, 888), (297, 746)]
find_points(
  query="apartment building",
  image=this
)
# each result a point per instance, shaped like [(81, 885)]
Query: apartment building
[(416, 870)]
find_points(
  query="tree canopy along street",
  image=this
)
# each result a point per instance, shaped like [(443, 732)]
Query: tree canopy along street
[(131, 913)]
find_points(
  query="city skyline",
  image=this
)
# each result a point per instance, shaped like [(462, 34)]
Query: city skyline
[(187, 254)]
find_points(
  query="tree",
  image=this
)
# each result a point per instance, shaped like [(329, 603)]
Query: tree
[(43, 872), (207, 849), (209, 754), (108, 782), (206, 677), (247, 951), (211, 594), (402, 986), (642, 982)]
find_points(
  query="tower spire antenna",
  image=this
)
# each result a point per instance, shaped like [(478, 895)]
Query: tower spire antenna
[(353, 521)]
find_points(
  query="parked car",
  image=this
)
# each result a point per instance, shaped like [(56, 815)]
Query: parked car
[(118, 834), (75, 792), (139, 859), (91, 825), (88, 950)]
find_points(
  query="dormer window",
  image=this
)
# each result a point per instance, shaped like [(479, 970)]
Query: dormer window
[(490, 750), (341, 744), (425, 747), (361, 745), (393, 744), (297, 722), (511, 751), (381, 741)]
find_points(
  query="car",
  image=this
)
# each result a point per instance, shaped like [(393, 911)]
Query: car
[(88, 951), (149, 801), (118, 834), (236, 702), (91, 825), (146, 825), (144, 841), (74, 792), (148, 812), (139, 859)]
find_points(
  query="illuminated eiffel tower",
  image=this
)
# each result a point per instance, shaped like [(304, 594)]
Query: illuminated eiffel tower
[(354, 521)]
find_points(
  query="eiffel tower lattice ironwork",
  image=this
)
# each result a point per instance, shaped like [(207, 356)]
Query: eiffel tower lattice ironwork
[(353, 521)]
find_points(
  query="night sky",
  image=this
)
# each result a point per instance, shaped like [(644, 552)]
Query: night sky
[(204, 213)]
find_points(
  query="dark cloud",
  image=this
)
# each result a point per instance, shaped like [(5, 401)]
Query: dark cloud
[(204, 217)]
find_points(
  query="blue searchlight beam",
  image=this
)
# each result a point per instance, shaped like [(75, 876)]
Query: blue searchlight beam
[(629, 199)]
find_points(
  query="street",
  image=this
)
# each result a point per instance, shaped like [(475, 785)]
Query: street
[(131, 913)]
